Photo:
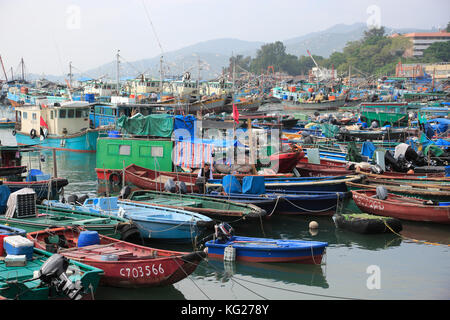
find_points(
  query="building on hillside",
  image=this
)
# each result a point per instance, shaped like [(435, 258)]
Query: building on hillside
[(422, 40), (440, 71)]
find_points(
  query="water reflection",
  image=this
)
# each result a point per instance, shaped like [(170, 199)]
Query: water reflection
[(288, 273)]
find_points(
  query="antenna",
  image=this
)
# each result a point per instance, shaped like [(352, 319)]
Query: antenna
[(118, 67)]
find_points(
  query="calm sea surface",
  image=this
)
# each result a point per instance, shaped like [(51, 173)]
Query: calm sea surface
[(407, 269)]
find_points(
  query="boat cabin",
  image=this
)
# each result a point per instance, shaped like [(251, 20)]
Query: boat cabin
[(58, 118)]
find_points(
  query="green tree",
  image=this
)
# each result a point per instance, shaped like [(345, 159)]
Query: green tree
[(448, 27), (437, 52)]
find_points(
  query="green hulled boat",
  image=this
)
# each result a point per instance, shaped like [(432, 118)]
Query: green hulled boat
[(390, 113), (215, 208), (23, 282), (44, 217)]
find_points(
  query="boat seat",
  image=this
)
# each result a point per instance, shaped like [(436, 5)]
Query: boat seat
[(90, 220), (140, 173)]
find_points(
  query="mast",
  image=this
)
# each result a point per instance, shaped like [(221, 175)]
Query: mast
[(118, 67), (12, 74), (161, 76), (23, 71), (70, 73), (3, 67)]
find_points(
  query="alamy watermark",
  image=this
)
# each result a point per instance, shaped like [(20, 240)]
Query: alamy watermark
[(374, 20), (374, 280), (73, 20)]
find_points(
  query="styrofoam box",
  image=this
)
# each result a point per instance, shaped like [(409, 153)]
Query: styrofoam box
[(18, 245), (15, 260)]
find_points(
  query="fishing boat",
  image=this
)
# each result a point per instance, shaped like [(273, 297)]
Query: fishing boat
[(214, 104), (322, 106), (333, 184), (268, 250), (244, 105), (153, 222), (23, 213), (124, 264), (211, 207), (313, 203), (366, 223), (384, 134), (60, 126), (155, 180), (285, 162), (11, 172), (433, 192), (48, 277), (399, 207), (321, 170), (7, 123), (384, 113)]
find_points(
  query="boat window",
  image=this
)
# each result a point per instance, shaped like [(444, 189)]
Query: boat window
[(51, 114), (124, 150), (78, 113), (71, 113), (33, 116), (62, 113), (85, 113), (157, 152), (25, 115)]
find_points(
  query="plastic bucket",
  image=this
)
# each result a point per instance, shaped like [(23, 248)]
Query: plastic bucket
[(88, 238)]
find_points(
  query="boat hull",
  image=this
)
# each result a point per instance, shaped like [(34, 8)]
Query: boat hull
[(83, 142), (269, 250), (401, 207)]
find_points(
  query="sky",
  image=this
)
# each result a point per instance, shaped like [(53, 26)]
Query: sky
[(48, 34)]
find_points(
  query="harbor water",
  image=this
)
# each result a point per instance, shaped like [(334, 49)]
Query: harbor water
[(415, 265)]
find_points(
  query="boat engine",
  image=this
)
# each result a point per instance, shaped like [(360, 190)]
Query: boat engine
[(53, 274), (224, 232)]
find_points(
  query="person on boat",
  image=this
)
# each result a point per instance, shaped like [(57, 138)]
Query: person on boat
[(204, 174)]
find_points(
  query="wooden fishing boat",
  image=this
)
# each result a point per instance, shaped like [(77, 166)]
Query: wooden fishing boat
[(322, 106), (211, 207), (7, 123), (401, 207), (320, 170), (285, 162), (334, 184), (314, 203), (269, 250), (155, 180), (402, 177), (40, 187), (366, 223), (124, 264), (20, 282), (379, 134), (153, 222), (422, 191), (10, 171), (251, 105), (25, 214)]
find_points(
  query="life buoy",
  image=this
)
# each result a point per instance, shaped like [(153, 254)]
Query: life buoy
[(33, 133), (115, 179)]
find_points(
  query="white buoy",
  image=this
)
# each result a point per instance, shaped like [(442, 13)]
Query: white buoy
[(313, 225)]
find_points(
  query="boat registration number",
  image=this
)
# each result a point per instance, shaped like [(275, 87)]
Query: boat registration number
[(140, 272)]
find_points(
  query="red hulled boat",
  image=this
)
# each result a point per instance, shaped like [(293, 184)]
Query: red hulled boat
[(401, 207), (124, 264)]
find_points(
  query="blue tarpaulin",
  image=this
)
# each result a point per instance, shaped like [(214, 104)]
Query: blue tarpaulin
[(253, 185), (4, 195), (186, 123), (231, 184), (368, 148)]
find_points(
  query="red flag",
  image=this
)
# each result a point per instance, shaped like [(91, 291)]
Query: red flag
[(42, 123), (235, 114)]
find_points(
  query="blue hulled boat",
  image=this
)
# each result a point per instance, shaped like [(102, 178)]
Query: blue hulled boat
[(153, 222), (290, 202), (268, 250)]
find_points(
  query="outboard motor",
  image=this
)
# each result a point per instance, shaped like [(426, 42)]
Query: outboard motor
[(182, 188), (72, 199), (382, 193), (170, 186), (53, 274), (224, 232), (376, 169), (124, 192)]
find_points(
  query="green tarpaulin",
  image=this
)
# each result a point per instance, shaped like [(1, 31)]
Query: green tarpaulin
[(158, 125)]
